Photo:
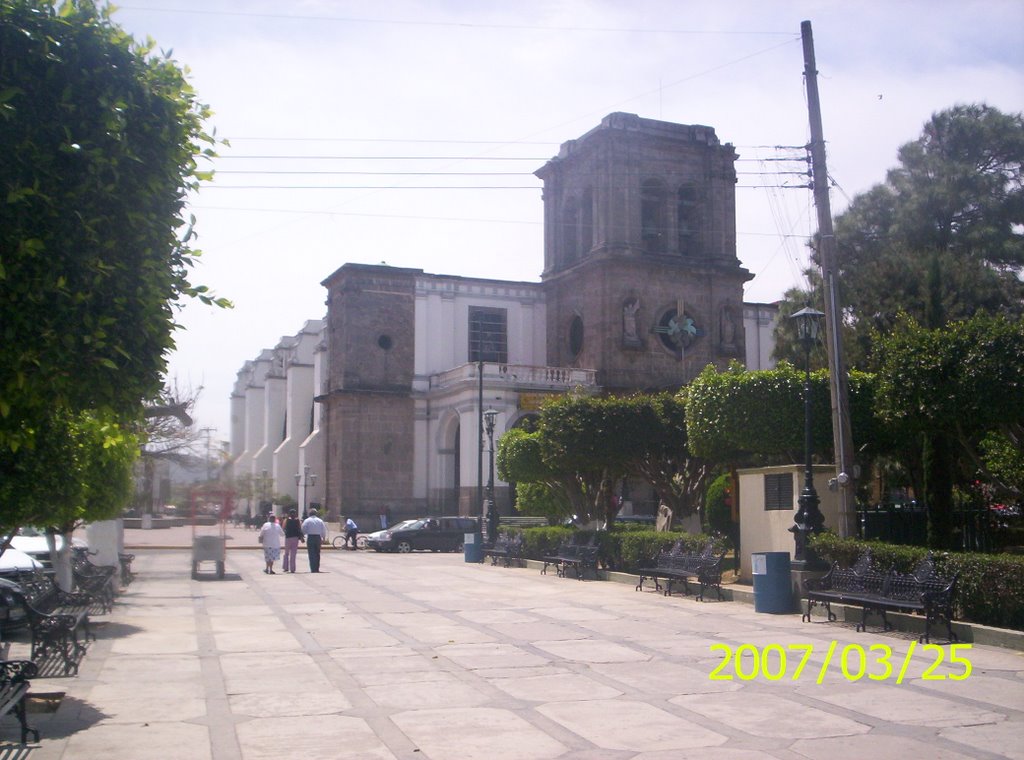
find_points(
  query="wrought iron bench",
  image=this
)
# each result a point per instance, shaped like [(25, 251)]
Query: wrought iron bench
[(678, 564), (508, 547), (43, 593), (577, 553), (920, 591), (125, 560), (14, 686), (56, 631), (95, 580)]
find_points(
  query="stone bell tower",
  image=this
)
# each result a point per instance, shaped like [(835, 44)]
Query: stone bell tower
[(641, 276)]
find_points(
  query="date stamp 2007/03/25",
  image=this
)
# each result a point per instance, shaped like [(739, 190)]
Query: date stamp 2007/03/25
[(876, 662)]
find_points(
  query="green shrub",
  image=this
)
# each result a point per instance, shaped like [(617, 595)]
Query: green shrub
[(990, 587), (624, 549), (540, 541), (716, 509)]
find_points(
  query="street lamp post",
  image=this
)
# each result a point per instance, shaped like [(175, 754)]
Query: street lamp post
[(808, 519), (490, 416), (264, 482), (304, 480)]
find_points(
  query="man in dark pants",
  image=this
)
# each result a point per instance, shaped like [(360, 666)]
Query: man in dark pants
[(315, 531)]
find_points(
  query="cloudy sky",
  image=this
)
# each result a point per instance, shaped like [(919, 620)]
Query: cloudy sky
[(408, 132)]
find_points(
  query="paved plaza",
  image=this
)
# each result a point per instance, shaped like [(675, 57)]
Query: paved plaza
[(426, 657)]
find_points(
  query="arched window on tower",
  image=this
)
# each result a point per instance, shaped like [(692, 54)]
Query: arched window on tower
[(688, 216), (652, 215), (570, 232), (587, 222)]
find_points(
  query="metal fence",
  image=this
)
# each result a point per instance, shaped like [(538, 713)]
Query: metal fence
[(977, 528)]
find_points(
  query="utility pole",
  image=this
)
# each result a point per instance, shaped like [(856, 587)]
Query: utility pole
[(838, 385), (480, 445), (209, 465)]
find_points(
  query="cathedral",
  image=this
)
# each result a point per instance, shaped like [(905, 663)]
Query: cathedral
[(382, 401)]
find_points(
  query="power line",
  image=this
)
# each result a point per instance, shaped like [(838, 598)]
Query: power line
[(389, 140), (371, 187), (436, 187), (378, 174), (386, 158), (452, 24), (331, 172)]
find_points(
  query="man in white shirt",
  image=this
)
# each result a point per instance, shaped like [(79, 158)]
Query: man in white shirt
[(351, 533), (315, 531)]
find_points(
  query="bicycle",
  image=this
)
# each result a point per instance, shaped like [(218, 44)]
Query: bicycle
[(339, 542)]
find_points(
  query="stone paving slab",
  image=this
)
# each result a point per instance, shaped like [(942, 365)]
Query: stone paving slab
[(425, 657)]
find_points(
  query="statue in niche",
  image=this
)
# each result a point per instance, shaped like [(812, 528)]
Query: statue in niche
[(630, 337), (727, 329)]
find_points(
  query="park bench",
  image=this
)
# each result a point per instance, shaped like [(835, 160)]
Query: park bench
[(508, 547), (14, 686), (55, 630), (679, 564), (920, 591), (578, 553), (42, 591), (125, 560), (95, 580)]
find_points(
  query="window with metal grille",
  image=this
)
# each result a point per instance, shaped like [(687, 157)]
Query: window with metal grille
[(778, 491), (488, 335)]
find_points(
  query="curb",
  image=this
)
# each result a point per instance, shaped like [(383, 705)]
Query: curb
[(967, 633)]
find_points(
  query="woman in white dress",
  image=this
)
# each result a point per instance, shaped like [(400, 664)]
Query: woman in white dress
[(271, 536)]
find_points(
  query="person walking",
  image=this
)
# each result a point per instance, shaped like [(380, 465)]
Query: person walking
[(315, 531), (292, 537), (351, 533), (271, 536)]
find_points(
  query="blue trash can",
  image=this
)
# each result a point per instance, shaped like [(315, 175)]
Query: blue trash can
[(473, 547), (773, 591)]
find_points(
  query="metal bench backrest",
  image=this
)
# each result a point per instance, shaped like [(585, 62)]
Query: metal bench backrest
[(845, 579), (924, 570), (863, 564), (902, 587)]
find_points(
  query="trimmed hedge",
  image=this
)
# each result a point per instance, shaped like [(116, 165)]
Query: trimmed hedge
[(622, 548), (991, 586)]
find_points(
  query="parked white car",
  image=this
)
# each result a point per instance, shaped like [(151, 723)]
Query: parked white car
[(34, 543)]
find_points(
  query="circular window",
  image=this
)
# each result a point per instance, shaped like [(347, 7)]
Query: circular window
[(385, 342), (677, 331), (576, 336)]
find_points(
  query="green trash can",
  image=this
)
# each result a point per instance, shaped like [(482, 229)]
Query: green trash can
[(773, 591), (473, 547)]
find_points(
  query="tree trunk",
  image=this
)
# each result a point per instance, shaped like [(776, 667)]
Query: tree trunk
[(61, 560), (938, 490)]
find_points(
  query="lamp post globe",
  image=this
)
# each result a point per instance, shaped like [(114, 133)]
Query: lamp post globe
[(808, 519)]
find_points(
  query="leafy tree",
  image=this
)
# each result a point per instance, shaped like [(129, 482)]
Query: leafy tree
[(590, 440), (940, 239), (80, 469), (719, 509), (1004, 460), (660, 452), (100, 138), (585, 444), (540, 488), (953, 387), (736, 417)]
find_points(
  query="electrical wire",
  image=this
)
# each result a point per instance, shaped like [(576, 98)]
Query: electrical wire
[(450, 24)]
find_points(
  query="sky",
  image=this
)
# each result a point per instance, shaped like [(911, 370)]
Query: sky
[(408, 132)]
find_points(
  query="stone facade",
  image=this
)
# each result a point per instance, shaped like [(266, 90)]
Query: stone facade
[(641, 289), (640, 266), (368, 421)]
